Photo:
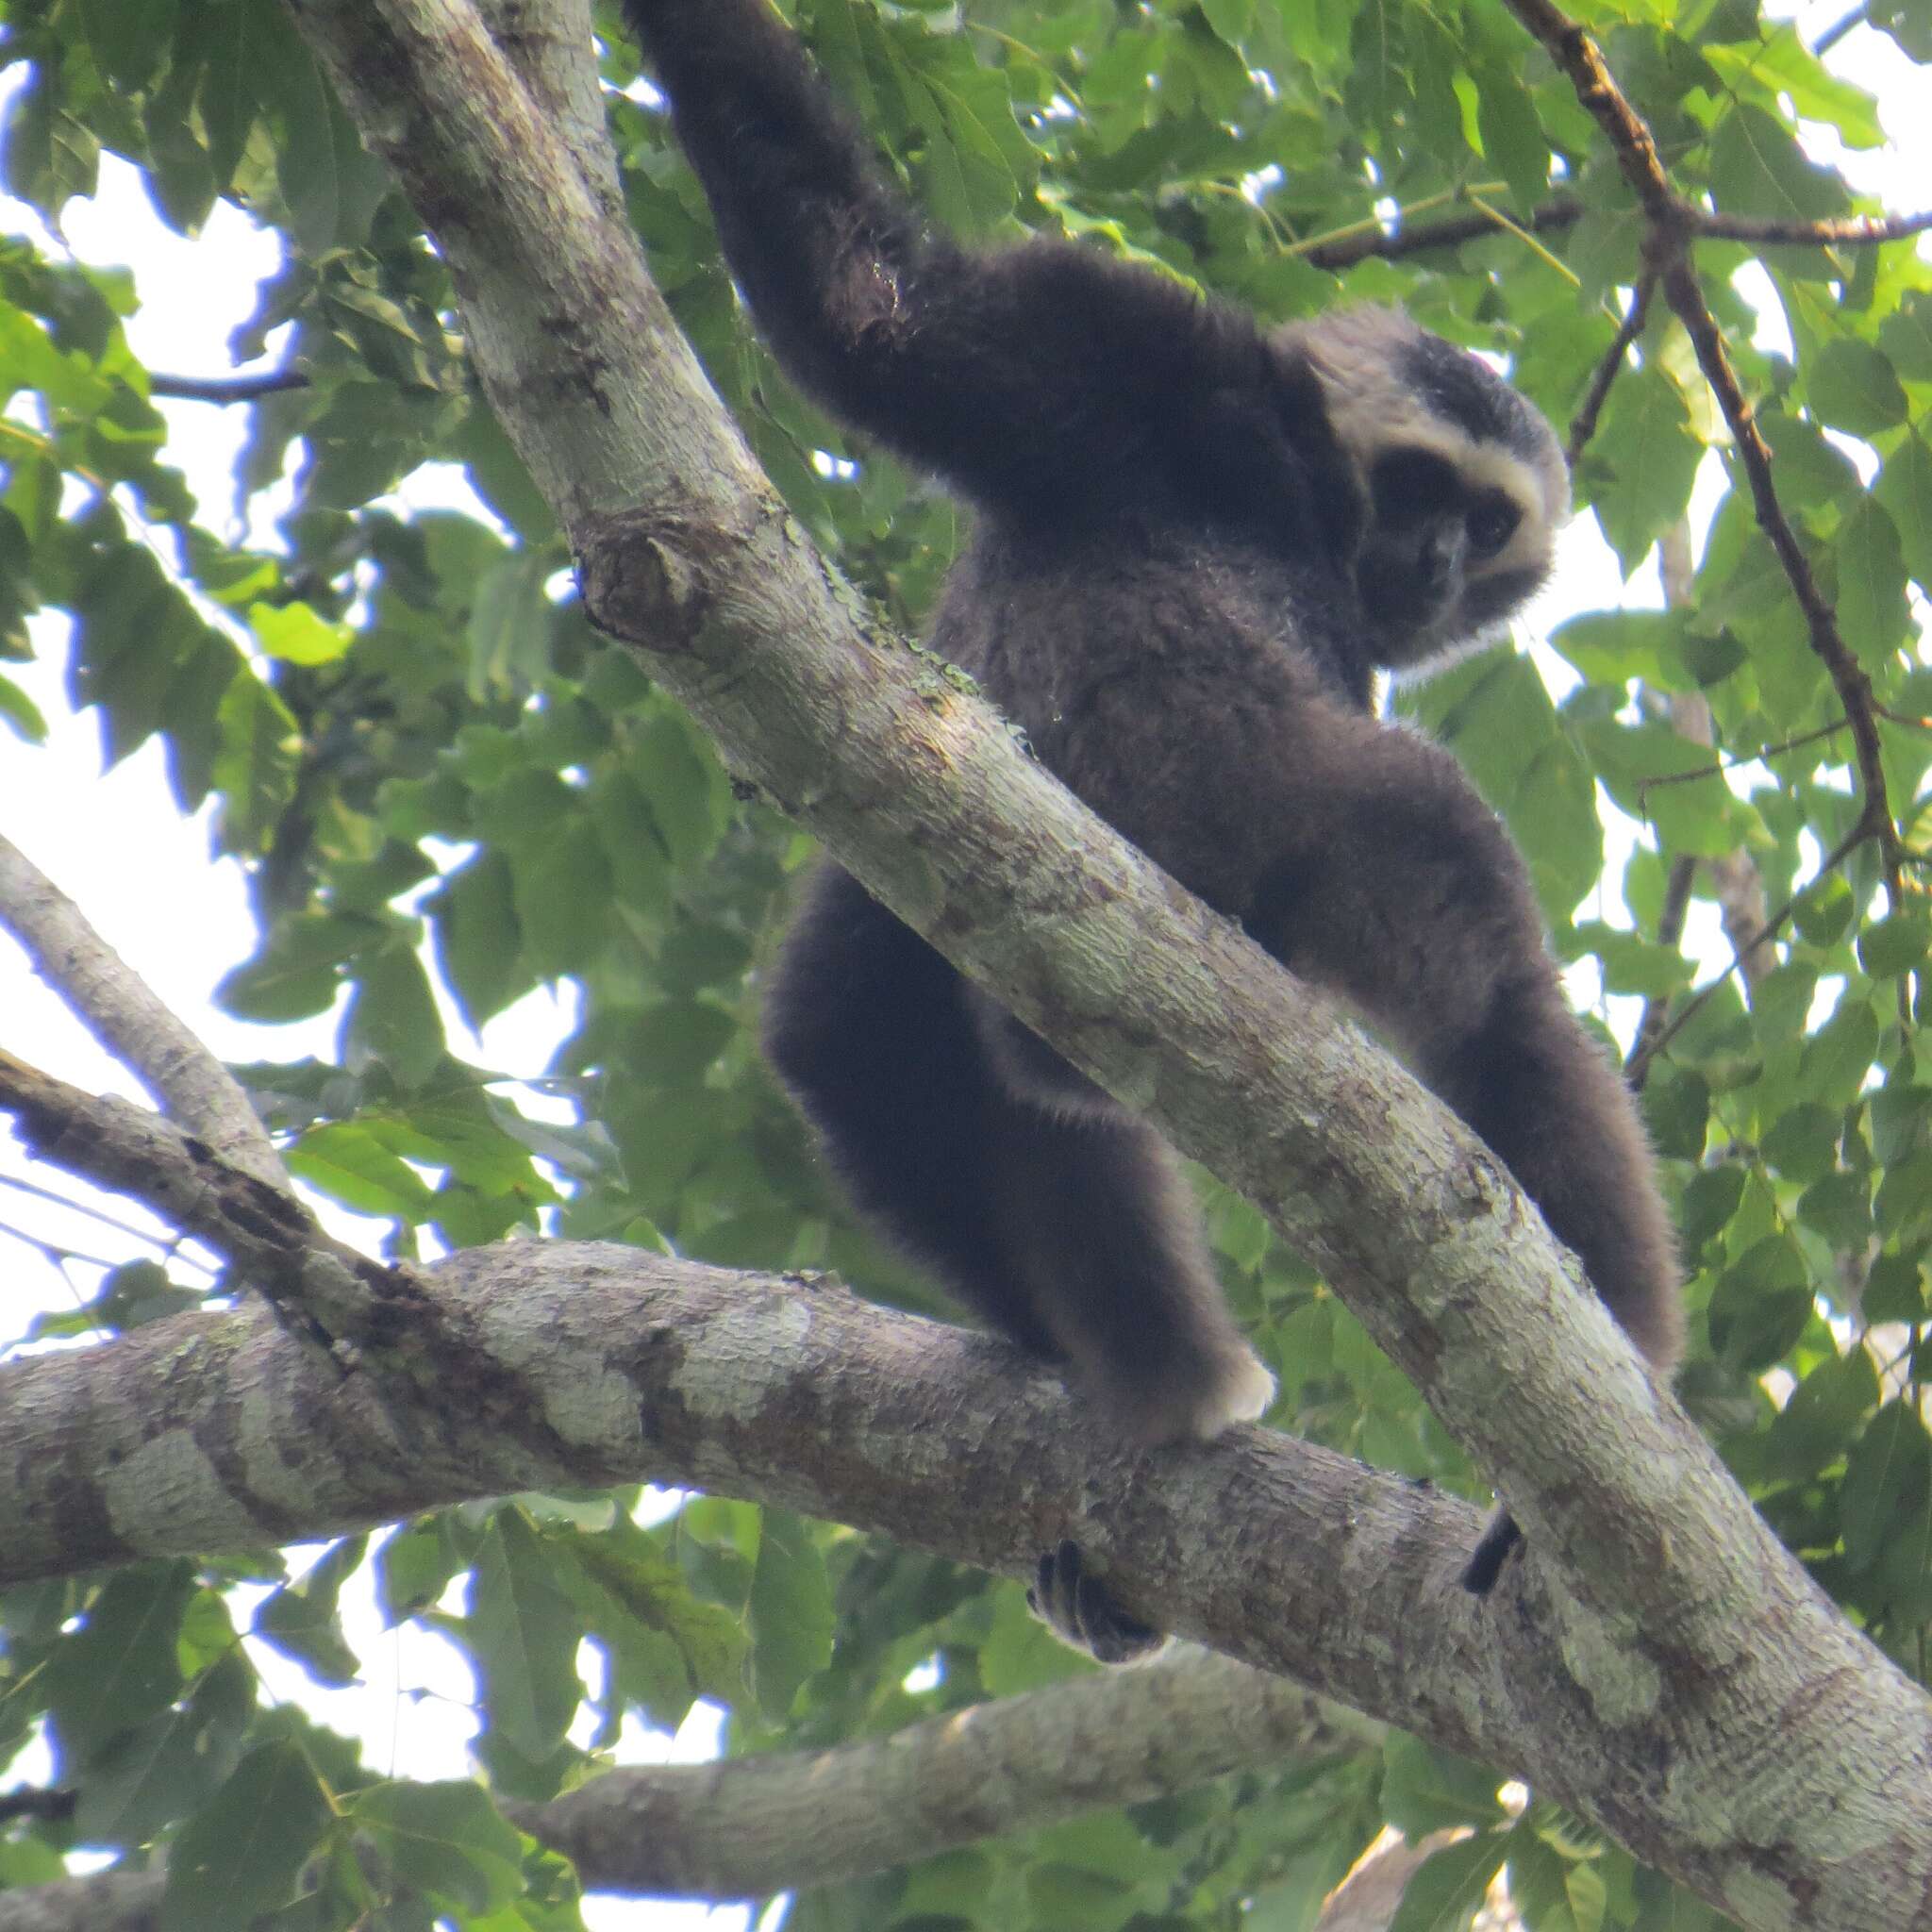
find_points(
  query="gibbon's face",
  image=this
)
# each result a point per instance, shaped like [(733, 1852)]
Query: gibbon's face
[(1463, 484)]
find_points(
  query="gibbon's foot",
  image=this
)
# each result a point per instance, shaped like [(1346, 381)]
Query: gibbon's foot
[(1075, 1605), (1200, 1392), (1486, 1562)]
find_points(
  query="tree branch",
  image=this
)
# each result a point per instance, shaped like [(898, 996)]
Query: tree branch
[(226, 389), (117, 1006), (1672, 227), (922, 791), (1583, 425), (634, 1367), (744, 1828)]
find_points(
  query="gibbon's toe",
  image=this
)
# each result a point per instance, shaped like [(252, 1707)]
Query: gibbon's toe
[(1075, 1606)]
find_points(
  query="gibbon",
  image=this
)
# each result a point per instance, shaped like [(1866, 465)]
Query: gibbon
[(1197, 540)]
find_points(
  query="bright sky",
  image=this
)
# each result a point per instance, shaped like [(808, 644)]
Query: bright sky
[(145, 877)]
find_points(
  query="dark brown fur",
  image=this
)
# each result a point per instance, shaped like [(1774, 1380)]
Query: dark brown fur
[(1191, 558)]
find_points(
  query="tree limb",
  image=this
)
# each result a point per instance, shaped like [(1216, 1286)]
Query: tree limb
[(1672, 225), (744, 1828), (118, 1008)]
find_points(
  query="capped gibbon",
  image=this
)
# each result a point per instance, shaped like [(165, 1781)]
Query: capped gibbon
[(1196, 541)]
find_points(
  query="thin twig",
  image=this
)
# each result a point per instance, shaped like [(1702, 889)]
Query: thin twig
[(168, 1244), (1369, 240), (226, 389), (1718, 767), (1583, 426), (1667, 249), (1510, 227), (1859, 834), (1669, 930), (1832, 232), (1844, 24)]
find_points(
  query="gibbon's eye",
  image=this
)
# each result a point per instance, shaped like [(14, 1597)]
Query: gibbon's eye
[(1409, 483), (1493, 521)]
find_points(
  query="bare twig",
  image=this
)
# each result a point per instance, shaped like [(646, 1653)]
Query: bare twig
[(1583, 426), (1839, 231), (226, 389), (1669, 930), (320, 1287), (1859, 834), (1718, 767), (1844, 24), (1672, 226), (1415, 237)]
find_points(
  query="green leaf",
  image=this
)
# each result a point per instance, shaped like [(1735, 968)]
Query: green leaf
[(1838, 1058), (1854, 387), (349, 1165), (415, 1568), (22, 713), (240, 1854), (1895, 944), (1758, 168), (790, 1610), (445, 1839), (563, 895), (166, 1767), (1647, 442), (294, 633), (1448, 1891), (1905, 336), (478, 941), (1887, 1482), (1904, 492), (1826, 1411), (1872, 613), (122, 1666), (666, 1645), (392, 1016), (1553, 1893), (257, 764), (525, 1632), (301, 1619), (1760, 1305), (1426, 1789), (296, 972)]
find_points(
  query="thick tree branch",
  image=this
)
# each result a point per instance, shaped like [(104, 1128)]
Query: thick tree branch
[(744, 1828), (116, 1005), (178, 1438)]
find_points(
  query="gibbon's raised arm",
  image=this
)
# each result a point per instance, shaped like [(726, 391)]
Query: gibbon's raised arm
[(1042, 372)]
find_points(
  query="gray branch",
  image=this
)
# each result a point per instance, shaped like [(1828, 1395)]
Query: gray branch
[(744, 1828), (117, 1006), (1723, 1741)]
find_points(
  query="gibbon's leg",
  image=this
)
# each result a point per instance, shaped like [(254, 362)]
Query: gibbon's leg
[(1402, 890), (1075, 1235)]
